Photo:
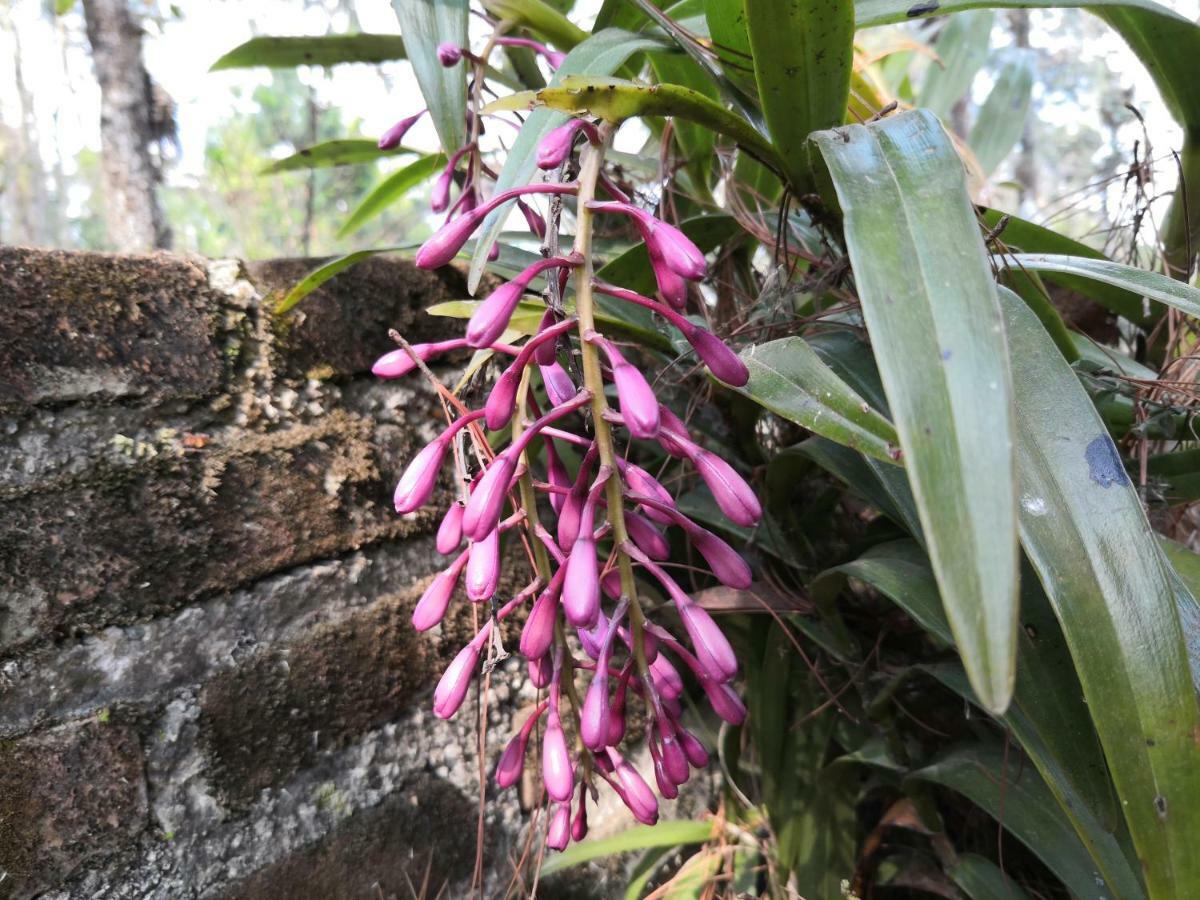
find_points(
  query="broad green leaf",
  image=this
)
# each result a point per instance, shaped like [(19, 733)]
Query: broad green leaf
[(391, 189), (1158, 287), (541, 18), (803, 53), (1187, 568), (1002, 117), (1047, 715), (324, 272), (1113, 592), (790, 380), (962, 49), (346, 152), (1023, 235), (882, 485), (616, 100), (1015, 795), (315, 50), (930, 305), (982, 879), (640, 837), (427, 24), (601, 54)]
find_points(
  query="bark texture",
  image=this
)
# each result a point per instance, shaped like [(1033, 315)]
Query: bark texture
[(131, 172)]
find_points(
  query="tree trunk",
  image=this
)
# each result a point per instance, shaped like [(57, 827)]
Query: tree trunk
[(131, 172)]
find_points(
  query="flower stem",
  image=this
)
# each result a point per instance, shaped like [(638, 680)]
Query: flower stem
[(591, 162)]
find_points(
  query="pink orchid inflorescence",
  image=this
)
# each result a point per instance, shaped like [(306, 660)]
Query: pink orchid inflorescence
[(610, 514)]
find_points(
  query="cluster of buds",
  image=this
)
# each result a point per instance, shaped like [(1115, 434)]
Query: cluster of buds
[(583, 618)]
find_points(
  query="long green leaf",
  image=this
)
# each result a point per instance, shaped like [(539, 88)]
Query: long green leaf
[(601, 54), (323, 273), (316, 50), (1148, 284), (1016, 796), (803, 54), (541, 18), (982, 879), (640, 837), (428, 24), (345, 152), (731, 43), (790, 380), (962, 49), (1113, 593), (1002, 117), (930, 306), (1023, 235), (391, 189)]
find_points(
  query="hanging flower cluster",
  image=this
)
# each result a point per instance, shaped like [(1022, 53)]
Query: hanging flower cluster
[(609, 514)]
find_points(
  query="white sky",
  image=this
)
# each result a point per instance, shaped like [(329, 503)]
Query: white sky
[(57, 69)]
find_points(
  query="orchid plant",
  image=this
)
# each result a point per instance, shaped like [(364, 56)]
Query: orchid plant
[(588, 637), (942, 485)]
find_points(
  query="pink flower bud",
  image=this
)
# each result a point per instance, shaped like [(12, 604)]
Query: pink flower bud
[(675, 249), (642, 482), (639, 406), (581, 588), (452, 689), (538, 633), (672, 426), (431, 608), (721, 361), (556, 474), (483, 567), (449, 53), (541, 671), (733, 495), (646, 536), (420, 478), (671, 287), (695, 751), (610, 584), (558, 835), (726, 563), (487, 499), (394, 135), (572, 508), (616, 711), (557, 773), (555, 147), (439, 197), (674, 760), (666, 786), (579, 825), (666, 677), (399, 363), (491, 317), (593, 720), (547, 352), (637, 794), (512, 760), (711, 646), (445, 243), (559, 386), (724, 701), (502, 401), (449, 533)]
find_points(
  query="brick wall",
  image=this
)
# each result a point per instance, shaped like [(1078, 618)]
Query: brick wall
[(208, 683)]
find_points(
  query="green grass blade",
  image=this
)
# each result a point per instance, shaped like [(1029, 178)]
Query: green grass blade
[(1085, 532), (930, 306), (345, 152), (640, 837), (324, 272), (788, 378), (318, 50), (803, 53), (428, 24), (391, 189)]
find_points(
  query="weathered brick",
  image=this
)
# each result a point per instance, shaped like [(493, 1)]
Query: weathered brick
[(380, 851), (342, 327), (128, 542), (82, 326), (67, 796)]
